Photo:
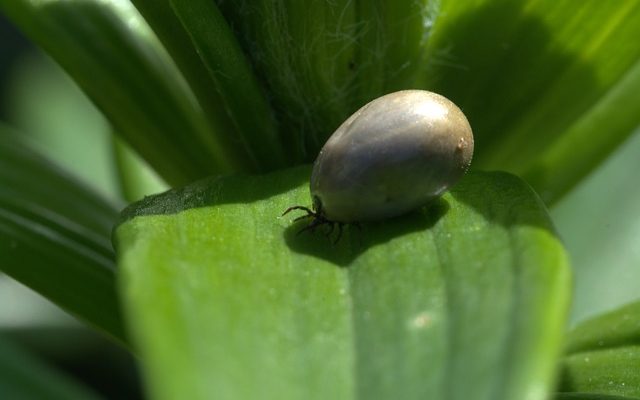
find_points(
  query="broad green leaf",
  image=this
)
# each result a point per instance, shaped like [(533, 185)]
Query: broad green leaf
[(24, 377), (464, 299), (55, 236), (611, 371), (548, 86), (615, 329), (107, 49)]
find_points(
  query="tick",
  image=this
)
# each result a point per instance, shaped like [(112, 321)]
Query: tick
[(395, 154)]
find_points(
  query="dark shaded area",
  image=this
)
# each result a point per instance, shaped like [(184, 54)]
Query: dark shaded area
[(358, 238), (12, 46), (293, 79), (108, 369), (501, 198), (505, 71)]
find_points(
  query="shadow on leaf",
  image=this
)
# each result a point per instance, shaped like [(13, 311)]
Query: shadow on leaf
[(356, 239)]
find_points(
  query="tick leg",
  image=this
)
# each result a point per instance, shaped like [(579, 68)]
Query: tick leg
[(288, 210), (303, 217), (330, 231), (311, 227)]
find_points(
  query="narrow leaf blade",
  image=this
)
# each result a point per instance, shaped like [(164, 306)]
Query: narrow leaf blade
[(229, 121), (55, 236), (614, 329), (242, 97), (590, 396), (603, 354), (611, 371)]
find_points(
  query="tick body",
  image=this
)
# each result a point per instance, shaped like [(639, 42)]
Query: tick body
[(393, 155)]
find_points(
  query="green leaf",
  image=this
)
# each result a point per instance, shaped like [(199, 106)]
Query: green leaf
[(24, 377), (604, 354), (548, 87), (549, 91), (137, 179), (590, 396), (611, 371), (230, 70), (301, 52), (614, 329), (464, 299), (55, 236), (217, 71), (46, 105), (322, 60), (391, 40), (107, 49)]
